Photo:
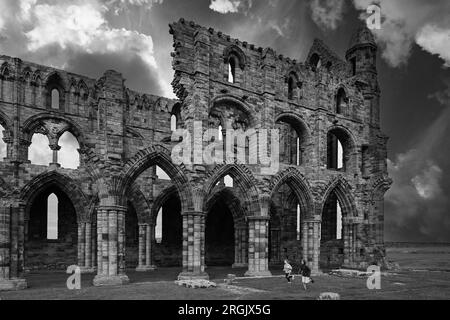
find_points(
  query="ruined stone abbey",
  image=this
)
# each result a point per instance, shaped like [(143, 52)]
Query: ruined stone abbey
[(324, 204)]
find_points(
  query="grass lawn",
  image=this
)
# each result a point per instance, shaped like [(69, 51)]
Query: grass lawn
[(414, 281)]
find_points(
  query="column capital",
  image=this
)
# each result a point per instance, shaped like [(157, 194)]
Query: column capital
[(112, 208), (193, 213), (258, 218)]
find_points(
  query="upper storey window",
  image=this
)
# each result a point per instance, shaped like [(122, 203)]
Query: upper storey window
[(55, 99), (232, 69), (55, 92), (235, 61), (315, 62), (291, 86), (341, 101)]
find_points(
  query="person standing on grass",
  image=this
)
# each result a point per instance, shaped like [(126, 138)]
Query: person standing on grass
[(287, 270), (305, 271)]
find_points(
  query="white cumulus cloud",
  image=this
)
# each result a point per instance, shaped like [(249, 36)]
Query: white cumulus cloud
[(327, 13), (225, 6), (405, 22)]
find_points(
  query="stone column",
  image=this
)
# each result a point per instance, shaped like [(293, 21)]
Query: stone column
[(11, 247), (240, 247), (55, 148), (111, 246), (352, 228), (311, 242), (258, 246), (193, 246), (84, 247), (145, 248), (81, 244)]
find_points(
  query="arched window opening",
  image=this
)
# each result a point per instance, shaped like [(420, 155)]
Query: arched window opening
[(339, 221), (331, 242), (39, 152), (220, 133), (219, 235), (54, 88), (68, 155), (158, 227), (52, 217), (335, 153), (55, 99), (169, 233), (291, 87), (353, 66), (293, 138), (228, 181), (2, 145), (173, 123), (341, 101), (52, 229), (332, 219), (232, 69), (298, 223), (315, 62), (161, 174)]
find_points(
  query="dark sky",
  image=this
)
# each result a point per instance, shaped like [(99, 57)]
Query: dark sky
[(131, 36)]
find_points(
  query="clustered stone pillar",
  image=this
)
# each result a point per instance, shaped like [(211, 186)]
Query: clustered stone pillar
[(85, 247), (240, 247), (12, 247), (258, 246), (111, 246), (311, 242), (145, 254), (352, 230), (193, 246)]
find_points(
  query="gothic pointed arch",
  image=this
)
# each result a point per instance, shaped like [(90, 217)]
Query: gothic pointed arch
[(299, 186), (243, 179), (65, 183), (160, 156), (343, 191)]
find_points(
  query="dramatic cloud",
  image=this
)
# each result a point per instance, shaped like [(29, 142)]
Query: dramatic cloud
[(231, 6), (39, 152), (405, 22), (327, 13), (417, 206), (59, 33), (118, 6), (225, 6)]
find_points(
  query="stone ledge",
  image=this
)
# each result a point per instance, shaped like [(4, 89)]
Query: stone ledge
[(100, 281), (193, 276)]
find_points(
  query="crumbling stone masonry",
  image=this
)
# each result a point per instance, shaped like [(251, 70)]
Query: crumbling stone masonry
[(110, 204)]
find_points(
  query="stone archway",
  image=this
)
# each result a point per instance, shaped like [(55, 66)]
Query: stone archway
[(341, 227), (293, 201), (72, 242), (226, 229)]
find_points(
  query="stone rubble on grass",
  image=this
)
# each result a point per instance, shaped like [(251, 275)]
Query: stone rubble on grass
[(329, 296), (230, 279), (196, 284)]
